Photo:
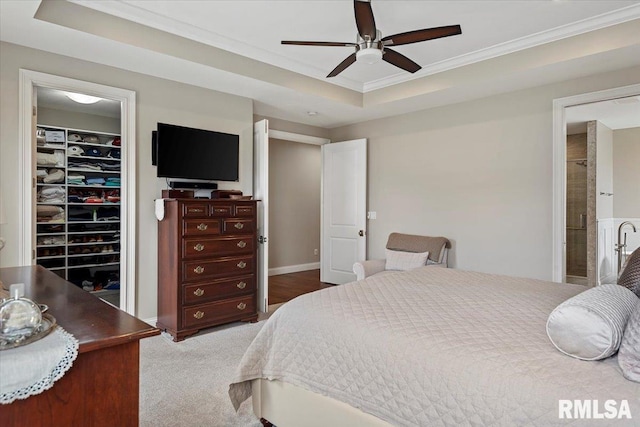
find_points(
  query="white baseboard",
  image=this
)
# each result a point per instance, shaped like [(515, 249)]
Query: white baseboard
[(152, 321), (294, 268)]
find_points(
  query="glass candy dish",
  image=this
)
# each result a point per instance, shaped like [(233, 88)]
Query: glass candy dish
[(21, 320)]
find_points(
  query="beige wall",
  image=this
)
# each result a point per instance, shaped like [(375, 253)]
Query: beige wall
[(478, 172), (76, 120), (626, 173), (158, 100), (294, 203)]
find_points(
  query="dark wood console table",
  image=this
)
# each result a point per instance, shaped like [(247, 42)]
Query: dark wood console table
[(102, 386)]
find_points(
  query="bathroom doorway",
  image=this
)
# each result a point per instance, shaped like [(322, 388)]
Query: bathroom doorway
[(612, 118)]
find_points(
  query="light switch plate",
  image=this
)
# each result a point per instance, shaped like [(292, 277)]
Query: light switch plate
[(371, 215)]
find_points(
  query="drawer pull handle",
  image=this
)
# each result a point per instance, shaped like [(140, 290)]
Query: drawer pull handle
[(199, 247), (199, 269), (197, 210), (241, 306), (242, 285), (239, 225), (202, 226), (221, 210), (241, 264), (198, 314), (242, 244), (198, 292)]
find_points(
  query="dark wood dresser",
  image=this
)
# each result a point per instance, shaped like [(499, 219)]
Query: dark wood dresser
[(206, 264), (102, 386)]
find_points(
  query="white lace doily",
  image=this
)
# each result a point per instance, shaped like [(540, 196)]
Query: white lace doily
[(31, 369)]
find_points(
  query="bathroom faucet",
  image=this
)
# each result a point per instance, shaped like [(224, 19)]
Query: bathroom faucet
[(620, 246)]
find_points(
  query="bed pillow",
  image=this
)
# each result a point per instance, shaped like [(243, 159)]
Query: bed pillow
[(629, 354), (630, 277), (400, 260), (590, 325)]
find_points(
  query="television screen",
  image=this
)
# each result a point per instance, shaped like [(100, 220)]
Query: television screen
[(184, 152)]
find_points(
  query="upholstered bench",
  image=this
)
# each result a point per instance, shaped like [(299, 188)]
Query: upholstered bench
[(406, 251)]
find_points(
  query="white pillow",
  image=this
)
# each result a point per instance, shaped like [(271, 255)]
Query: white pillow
[(590, 325), (629, 354), (399, 260)]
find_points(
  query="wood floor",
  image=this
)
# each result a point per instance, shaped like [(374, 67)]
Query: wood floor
[(285, 287)]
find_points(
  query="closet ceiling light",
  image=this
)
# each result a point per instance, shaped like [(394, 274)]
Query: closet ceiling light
[(83, 99)]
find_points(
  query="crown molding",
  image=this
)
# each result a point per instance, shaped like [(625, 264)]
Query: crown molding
[(145, 17), (591, 24)]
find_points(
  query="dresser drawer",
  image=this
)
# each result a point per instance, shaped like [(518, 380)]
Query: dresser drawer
[(198, 270), (196, 247), (218, 289), (226, 309), (201, 227), (245, 210), (238, 226), (191, 210), (221, 209)]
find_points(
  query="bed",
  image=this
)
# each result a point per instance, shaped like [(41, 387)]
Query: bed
[(427, 347)]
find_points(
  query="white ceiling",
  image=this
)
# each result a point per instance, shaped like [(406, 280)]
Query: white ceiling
[(57, 99), (504, 46), (622, 113)]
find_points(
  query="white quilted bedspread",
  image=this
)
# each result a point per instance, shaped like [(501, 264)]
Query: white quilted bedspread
[(434, 347)]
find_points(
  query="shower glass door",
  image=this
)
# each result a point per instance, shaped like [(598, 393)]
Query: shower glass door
[(577, 218)]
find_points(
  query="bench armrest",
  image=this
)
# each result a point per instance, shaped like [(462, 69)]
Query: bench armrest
[(368, 268)]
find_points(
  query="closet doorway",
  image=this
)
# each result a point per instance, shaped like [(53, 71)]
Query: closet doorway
[(78, 184)]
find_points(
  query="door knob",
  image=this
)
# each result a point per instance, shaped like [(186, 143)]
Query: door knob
[(361, 233)]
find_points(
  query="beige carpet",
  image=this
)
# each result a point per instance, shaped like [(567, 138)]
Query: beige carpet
[(186, 383)]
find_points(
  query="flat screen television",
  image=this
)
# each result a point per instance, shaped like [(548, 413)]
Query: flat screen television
[(190, 153)]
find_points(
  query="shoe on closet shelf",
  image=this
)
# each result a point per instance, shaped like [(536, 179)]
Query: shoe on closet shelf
[(87, 285)]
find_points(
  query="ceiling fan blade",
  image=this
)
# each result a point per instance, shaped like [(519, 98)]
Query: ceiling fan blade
[(364, 19), (421, 35), (305, 43), (343, 65), (400, 61)]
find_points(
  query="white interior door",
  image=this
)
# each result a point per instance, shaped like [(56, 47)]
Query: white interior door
[(344, 209), (261, 192)]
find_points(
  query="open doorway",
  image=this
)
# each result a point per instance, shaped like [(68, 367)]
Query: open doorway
[(70, 151), (593, 141), (295, 170)]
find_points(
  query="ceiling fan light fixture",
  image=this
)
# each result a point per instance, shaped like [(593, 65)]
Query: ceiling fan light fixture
[(369, 55), (83, 99)]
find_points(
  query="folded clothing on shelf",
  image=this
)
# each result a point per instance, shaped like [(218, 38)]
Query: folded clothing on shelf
[(95, 181), (53, 176), (76, 179), (53, 194), (82, 164), (112, 182), (50, 159), (108, 214), (80, 214), (49, 213), (109, 166)]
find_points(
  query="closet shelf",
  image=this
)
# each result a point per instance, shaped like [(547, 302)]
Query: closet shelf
[(93, 171), (93, 254), (114, 187), (104, 264), (95, 204), (93, 220)]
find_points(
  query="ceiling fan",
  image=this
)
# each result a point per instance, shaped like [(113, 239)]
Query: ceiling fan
[(371, 47)]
